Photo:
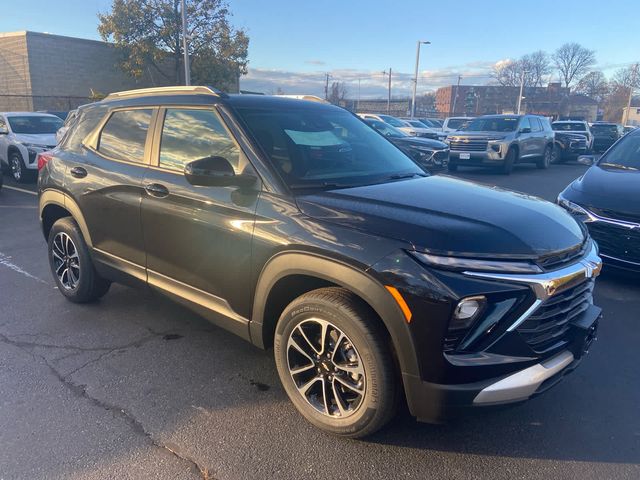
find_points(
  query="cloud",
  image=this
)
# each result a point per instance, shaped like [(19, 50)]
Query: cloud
[(315, 62), (372, 84)]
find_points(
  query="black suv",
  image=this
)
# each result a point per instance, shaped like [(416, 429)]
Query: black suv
[(298, 227)]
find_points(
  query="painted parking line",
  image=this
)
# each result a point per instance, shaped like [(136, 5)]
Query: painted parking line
[(20, 190)]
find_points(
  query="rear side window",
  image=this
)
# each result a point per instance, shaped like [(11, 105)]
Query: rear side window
[(125, 134), (190, 134), (535, 124)]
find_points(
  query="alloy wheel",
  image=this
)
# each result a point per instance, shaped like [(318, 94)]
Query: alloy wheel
[(326, 368), (66, 261), (16, 168)]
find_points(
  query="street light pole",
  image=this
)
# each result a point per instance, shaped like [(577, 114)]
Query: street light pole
[(521, 89), (384, 72), (415, 78), (358, 104), (185, 46)]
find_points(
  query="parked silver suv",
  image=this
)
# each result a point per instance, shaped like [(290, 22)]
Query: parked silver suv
[(502, 141)]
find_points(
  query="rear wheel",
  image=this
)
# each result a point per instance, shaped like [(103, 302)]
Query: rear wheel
[(71, 264), (335, 364), (509, 161), (545, 161)]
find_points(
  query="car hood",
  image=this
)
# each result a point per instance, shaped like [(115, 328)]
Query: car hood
[(420, 142), (45, 139), (450, 216), (609, 189)]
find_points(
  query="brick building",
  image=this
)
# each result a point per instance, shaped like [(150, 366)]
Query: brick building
[(39, 71), (552, 101)]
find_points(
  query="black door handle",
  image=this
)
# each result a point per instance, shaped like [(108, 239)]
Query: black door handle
[(157, 190), (78, 172)]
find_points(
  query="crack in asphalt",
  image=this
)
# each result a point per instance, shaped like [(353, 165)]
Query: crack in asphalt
[(80, 391)]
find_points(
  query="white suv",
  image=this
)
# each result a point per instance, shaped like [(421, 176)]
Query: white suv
[(575, 126), (22, 136)]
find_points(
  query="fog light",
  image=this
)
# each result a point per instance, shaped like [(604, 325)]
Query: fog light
[(466, 312)]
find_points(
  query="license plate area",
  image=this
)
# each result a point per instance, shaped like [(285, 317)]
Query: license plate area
[(465, 156)]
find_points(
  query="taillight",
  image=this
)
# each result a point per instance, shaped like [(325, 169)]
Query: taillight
[(43, 158)]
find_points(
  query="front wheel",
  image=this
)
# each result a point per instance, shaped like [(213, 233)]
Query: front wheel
[(71, 264), (509, 160), (335, 364), (545, 161), (17, 168)]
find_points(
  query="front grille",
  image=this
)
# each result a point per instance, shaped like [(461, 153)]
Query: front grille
[(470, 146), (625, 217), (548, 327), (616, 241)]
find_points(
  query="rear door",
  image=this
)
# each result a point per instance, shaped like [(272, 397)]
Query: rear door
[(198, 239), (106, 182)]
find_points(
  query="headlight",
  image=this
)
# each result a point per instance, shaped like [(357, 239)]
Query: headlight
[(574, 209), (477, 264), (424, 149)]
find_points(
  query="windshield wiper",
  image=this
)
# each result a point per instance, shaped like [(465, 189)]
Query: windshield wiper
[(399, 176), (319, 185), (617, 165)]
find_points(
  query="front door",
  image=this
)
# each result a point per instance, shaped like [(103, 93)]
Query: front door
[(198, 239)]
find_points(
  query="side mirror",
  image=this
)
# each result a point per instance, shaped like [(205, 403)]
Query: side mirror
[(215, 172), (587, 159), (525, 130)]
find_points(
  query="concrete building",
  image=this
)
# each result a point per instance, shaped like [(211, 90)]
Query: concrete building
[(552, 101), (39, 71)]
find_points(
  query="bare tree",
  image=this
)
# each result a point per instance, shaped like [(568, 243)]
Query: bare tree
[(594, 85), (337, 92), (625, 78), (535, 67), (573, 61)]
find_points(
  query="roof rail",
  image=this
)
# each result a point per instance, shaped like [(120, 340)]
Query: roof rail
[(175, 90)]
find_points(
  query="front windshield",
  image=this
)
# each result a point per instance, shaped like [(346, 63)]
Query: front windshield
[(325, 148), (604, 129), (386, 129), (625, 154), (568, 127), (394, 122), (33, 124), (457, 123), (493, 124)]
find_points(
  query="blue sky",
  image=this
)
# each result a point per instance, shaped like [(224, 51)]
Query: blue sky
[(294, 43)]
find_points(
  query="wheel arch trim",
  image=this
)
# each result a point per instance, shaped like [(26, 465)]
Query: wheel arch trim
[(55, 197), (344, 275)]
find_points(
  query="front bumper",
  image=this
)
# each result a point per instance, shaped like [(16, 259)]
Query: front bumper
[(436, 403), (487, 157), (521, 354)]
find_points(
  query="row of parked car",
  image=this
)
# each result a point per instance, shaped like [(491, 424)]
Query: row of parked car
[(498, 141)]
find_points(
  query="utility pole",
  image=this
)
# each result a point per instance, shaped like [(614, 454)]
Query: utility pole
[(415, 79), (455, 99), (384, 72), (520, 94), (185, 46), (326, 86), (625, 113)]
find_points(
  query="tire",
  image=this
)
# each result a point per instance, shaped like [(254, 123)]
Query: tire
[(544, 162), (17, 168), (509, 161), (452, 167), (557, 156), (355, 335), (68, 253)]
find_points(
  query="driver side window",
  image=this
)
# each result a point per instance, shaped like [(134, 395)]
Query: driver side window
[(193, 134)]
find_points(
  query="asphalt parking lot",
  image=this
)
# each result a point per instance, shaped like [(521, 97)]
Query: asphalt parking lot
[(138, 387)]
